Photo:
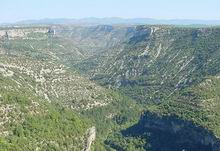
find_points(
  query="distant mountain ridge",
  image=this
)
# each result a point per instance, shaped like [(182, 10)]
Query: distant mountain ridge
[(115, 20)]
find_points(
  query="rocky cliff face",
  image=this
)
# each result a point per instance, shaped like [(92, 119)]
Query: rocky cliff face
[(22, 32)]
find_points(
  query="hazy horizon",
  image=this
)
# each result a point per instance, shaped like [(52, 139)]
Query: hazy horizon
[(19, 10), (113, 17)]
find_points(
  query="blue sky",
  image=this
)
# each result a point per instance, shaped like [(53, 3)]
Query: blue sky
[(16, 10)]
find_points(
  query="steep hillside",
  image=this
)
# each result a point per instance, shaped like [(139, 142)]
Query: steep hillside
[(189, 120), (30, 123), (33, 67), (158, 61), (172, 73), (40, 94), (53, 82), (172, 69)]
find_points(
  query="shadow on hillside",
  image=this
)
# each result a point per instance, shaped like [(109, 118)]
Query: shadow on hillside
[(169, 133)]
